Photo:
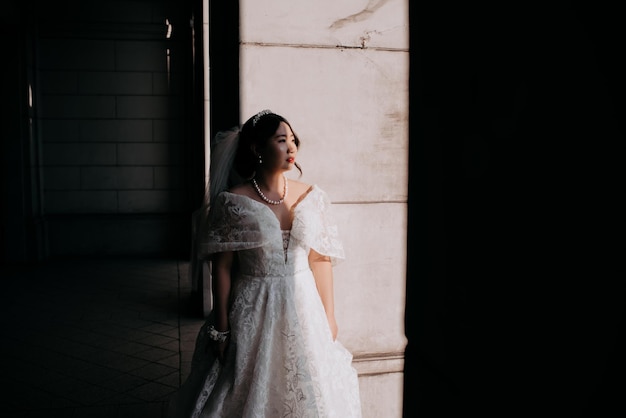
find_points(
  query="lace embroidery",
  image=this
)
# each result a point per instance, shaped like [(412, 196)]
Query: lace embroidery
[(286, 236), (206, 390)]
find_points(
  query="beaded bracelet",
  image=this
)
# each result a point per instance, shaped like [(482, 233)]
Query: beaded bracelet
[(218, 336)]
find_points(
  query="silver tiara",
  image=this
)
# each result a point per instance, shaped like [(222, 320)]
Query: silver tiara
[(256, 117)]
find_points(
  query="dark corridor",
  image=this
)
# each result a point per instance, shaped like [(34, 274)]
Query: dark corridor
[(105, 146)]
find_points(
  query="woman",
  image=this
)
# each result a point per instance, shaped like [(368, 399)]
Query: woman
[(269, 347)]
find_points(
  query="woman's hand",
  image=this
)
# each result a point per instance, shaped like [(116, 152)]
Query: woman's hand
[(218, 341), (219, 349)]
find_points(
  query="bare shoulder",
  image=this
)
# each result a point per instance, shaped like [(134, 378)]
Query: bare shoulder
[(299, 188)]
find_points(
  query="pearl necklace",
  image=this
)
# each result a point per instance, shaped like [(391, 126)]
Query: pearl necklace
[(270, 201)]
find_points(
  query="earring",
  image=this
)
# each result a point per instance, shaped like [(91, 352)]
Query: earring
[(260, 159)]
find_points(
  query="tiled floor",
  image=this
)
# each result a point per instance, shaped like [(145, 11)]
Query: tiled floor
[(94, 338)]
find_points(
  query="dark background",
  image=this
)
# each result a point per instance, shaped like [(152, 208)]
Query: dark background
[(515, 284)]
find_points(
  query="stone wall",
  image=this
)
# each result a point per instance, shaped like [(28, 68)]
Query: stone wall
[(338, 71)]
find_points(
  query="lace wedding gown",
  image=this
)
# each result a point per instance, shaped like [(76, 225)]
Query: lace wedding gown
[(281, 360)]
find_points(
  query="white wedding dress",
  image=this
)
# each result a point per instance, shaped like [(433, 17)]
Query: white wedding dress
[(281, 360)]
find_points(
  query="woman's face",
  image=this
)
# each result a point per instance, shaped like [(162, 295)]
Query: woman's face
[(279, 153)]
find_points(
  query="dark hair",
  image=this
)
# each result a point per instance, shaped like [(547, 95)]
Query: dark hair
[(256, 132)]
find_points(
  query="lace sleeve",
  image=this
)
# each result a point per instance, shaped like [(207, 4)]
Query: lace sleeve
[(314, 225), (230, 227)]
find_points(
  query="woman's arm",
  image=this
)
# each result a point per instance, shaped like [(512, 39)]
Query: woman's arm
[(323, 274), (221, 281)]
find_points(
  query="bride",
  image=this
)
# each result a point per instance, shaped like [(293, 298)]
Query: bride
[(269, 347)]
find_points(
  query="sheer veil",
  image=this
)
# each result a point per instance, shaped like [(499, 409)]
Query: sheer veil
[(221, 172), (221, 177)]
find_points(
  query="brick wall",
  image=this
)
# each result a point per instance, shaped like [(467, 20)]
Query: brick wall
[(111, 122)]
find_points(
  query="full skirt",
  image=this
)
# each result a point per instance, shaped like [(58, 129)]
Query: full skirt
[(281, 360)]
